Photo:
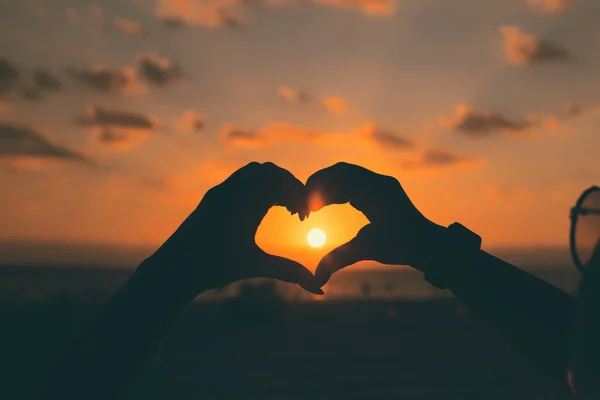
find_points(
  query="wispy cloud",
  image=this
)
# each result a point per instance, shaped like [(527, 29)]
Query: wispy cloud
[(9, 75), (509, 194), (441, 159), (117, 129), (549, 6), (23, 142), (523, 48), (157, 70), (5, 106), (190, 121), (129, 26), (369, 7), (89, 16), (113, 117), (207, 14), (335, 103), (109, 80), (292, 95), (475, 122), (30, 86), (46, 80), (366, 136), (573, 110), (231, 13)]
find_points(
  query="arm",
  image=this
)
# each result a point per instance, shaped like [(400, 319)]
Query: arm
[(104, 361), (212, 248), (534, 317)]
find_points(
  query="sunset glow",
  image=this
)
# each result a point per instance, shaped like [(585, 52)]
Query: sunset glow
[(123, 114)]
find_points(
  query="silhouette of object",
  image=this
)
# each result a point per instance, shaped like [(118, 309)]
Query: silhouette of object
[(519, 306), (258, 302), (585, 226)]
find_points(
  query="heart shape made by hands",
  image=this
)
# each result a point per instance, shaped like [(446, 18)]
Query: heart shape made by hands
[(394, 231), (283, 234)]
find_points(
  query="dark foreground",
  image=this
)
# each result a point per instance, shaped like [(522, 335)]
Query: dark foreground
[(276, 350)]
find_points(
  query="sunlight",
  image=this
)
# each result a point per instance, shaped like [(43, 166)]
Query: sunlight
[(316, 237)]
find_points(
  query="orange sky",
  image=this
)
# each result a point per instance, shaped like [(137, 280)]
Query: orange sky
[(116, 117)]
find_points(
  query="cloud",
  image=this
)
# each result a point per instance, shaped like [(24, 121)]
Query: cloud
[(9, 75), (239, 136), (369, 7), (370, 134), (474, 122), (522, 48), (190, 121), (548, 6), (29, 87), (120, 140), (112, 117), (108, 80), (207, 14), (335, 103), (158, 71), (89, 17), (31, 94), (117, 129), (45, 80), (5, 106), (23, 142), (230, 13), (129, 26), (367, 136), (172, 22), (509, 195), (437, 159), (292, 95), (572, 110)]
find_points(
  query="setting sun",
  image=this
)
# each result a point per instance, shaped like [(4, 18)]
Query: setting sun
[(316, 237)]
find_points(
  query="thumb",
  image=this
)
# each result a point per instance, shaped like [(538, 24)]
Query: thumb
[(286, 270), (341, 257)]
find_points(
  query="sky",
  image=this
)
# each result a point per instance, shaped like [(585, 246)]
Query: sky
[(117, 116)]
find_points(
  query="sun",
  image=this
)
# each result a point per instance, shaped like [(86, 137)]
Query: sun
[(316, 237)]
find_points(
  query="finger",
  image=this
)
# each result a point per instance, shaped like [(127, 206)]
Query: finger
[(283, 269), (282, 188), (226, 190), (367, 191), (355, 250), (267, 186)]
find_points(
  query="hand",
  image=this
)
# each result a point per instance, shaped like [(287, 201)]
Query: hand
[(398, 233), (215, 245)]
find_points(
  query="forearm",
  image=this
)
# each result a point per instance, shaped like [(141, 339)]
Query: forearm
[(104, 360), (535, 317)]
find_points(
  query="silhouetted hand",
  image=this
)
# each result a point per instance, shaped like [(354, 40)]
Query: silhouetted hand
[(215, 245), (398, 233)]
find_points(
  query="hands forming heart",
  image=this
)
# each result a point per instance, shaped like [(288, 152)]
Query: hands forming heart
[(215, 245)]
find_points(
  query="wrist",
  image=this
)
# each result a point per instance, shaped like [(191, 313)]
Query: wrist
[(166, 280), (453, 249)]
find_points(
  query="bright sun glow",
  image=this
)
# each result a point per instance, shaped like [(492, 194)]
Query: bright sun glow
[(316, 237)]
